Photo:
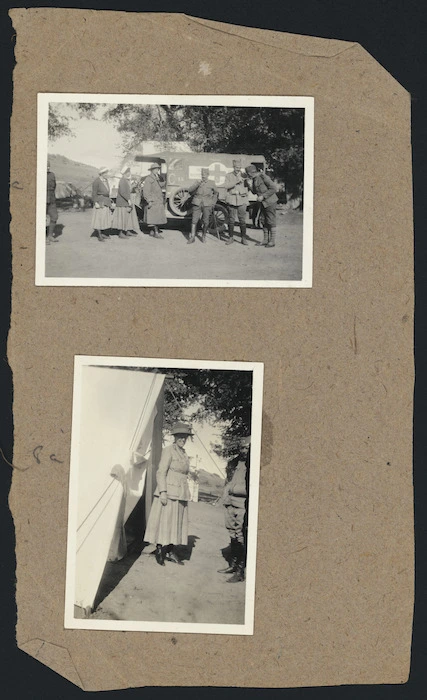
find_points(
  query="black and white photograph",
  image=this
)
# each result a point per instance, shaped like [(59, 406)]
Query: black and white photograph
[(174, 190), (163, 501)]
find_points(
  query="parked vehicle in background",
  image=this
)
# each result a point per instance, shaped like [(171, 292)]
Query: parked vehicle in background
[(179, 170)]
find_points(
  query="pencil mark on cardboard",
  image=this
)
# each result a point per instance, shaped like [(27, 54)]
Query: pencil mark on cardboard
[(36, 453), (53, 458)]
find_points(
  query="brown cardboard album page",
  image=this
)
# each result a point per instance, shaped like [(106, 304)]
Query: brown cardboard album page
[(334, 557)]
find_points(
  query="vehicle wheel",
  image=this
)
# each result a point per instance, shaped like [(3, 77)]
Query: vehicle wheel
[(179, 203), (218, 219)]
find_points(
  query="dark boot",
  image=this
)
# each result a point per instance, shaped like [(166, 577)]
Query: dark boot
[(172, 555), (265, 241), (122, 235), (50, 237), (160, 555), (239, 572), (231, 559), (99, 236), (192, 236), (230, 234), (272, 242), (205, 229), (243, 234), (229, 570), (154, 233)]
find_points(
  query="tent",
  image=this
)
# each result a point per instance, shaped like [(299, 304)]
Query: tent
[(120, 443)]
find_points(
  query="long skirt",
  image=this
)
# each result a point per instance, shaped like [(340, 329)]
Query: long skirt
[(125, 220), (155, 215), (167, 524), (101, 218)]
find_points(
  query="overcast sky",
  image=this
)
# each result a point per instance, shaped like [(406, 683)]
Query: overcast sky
[(95, 142)]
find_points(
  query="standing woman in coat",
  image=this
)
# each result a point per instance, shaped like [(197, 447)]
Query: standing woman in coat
[(154, 209), (125, 219), (101, 217), (168, 521)]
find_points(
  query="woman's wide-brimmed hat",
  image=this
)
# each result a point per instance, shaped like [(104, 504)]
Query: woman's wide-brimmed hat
[(181, 429), (125, 170), (153, 166), (101, 171)]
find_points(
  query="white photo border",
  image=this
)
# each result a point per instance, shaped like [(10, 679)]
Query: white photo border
[(306, 103), (247, 628)]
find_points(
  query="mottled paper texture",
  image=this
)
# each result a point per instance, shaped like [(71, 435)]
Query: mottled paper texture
[(334, 593)]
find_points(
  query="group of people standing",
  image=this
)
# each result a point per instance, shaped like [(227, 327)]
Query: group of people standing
[(237, 186), (122, 215), (167, 525)]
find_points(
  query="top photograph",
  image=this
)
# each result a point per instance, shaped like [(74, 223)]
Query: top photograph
[(174, 190)]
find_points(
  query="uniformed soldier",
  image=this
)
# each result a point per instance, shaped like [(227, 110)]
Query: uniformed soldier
[(235, 502), (51, 209), (265, 189), (237, 200), (205, 195)]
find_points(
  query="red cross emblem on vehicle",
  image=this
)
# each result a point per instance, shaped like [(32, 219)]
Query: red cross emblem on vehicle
[(218, 171)]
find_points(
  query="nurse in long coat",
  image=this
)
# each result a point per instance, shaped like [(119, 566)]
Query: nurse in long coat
[(168, 521), (125, 219), (101, 217), (154, 209)]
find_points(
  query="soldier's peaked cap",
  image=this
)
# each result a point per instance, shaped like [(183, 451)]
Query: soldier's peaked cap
[(251, 170), (205, 171)]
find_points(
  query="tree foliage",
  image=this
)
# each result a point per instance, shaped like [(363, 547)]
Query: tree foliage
[(277, 133), (274, 132), (222, 397), (58, 124)]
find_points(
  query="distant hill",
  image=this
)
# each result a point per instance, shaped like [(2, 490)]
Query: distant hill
[(66, 170), (210, 483)]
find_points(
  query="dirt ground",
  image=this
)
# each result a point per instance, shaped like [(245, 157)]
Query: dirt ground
[(192, 593), (77, 254)]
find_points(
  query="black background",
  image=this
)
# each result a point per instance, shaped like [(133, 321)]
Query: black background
[(395, 33)]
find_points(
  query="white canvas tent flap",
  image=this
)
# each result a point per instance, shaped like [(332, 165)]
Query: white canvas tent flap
[(118, 432)]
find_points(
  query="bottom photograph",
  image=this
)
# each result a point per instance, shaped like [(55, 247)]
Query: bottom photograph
[(163, 500)]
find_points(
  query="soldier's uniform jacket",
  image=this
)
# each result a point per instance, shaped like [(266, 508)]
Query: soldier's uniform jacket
[(236, 489), (237, 194), (51, 187), (205, 193), (262, 184), (172, 474), (101, 192)]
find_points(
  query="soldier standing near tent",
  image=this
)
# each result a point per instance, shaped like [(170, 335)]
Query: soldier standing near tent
[(205, 195), (265, 189), (237, 200), (101, 217), (154, 208), (51, 210), (235, 503), (168, 520), (125, 219)]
